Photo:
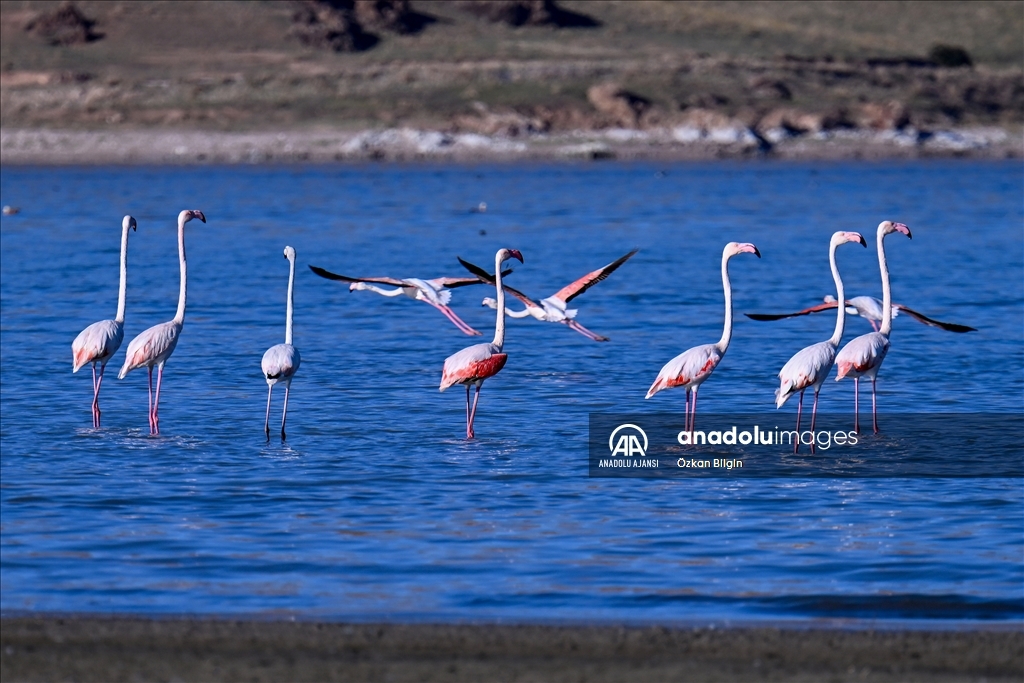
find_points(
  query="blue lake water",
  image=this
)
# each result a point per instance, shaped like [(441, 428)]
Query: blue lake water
[(376, 508)]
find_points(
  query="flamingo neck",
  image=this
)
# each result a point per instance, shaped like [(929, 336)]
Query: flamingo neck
[(291, 299), (723, 343), (122, 289), (499, 321), (179, 317), (837, 336), (886, 327), (398, 291)]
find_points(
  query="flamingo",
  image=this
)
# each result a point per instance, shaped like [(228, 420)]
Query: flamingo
[(863, 356), (473, 364), (434, 292), (692, 367), (100, 341), (811, 365), (282, 360), (869, 308), (155, 345), (553, 309)]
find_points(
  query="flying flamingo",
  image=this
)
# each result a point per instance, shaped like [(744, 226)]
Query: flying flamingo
[(810, 366), (155, 345), (869, 308), (100, 341), (553, 309), (690, 368), (434, 292), (473, 364), (863, 356), (282, 360)]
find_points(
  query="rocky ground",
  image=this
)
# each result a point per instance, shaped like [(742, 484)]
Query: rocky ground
[(392, 79)]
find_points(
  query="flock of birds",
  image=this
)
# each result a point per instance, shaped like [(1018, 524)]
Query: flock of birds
[(470, 367)]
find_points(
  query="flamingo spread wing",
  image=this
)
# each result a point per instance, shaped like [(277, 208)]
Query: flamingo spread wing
[(344, 278), (920, 317), (571, 291), (489, 279), (779, 316)]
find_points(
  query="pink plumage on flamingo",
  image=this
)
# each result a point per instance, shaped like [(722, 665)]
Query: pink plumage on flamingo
[(100, 341), (692, 367), (155, 345), (863, 356), (810, 366), (869, 308), (473, 364), (281, 361)]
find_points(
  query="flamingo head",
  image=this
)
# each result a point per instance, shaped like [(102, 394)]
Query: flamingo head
[(289, 253), (885, 227), (489, 302), (188, 214), (734, 248), (842, 237), (129, 222), (505, 254), (357, 286)]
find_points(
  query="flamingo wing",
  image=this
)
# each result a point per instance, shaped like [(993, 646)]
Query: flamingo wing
[(151, 347), (453, 282), (472, 364), (808, 367), (571, 291), (344, 278), (96, 343), (280, 361), (692, 366), (862, 354), (489, 279), (921, 317), (779, 316)]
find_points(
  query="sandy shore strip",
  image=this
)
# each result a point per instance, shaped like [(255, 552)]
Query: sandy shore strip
[(96, 648), (184, 147)]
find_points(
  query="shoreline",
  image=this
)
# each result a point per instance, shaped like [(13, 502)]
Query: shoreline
[(197, 147), (113, 648)]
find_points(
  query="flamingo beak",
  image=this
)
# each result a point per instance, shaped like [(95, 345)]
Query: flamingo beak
[(515, 253), (750, 249), (199, 215), (900, 227)]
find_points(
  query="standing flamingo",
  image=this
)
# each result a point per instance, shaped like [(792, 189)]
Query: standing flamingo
[(810, 366), (282, 360), (863, 356), (690, 368), (100, 341), (869, 308), (155, 345), (434, 292), (473, 364), (553, 309)]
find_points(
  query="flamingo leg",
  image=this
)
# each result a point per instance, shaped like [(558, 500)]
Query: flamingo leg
[(693, 411), (266, 423), (814, 415), (799, 410), (874, 325), (686, 414), (856, 405), (156, 400), (95, 399), (150, 370), (469, 430), (284, 413), (874, 411), (456, 320), (472, 415), (585, 332)]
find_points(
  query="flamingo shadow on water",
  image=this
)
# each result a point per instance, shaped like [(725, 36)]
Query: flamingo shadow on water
[(281, 361), (155, 345), (473, 364), (98, 342)]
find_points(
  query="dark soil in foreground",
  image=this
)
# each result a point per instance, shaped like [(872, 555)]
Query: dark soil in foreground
[(125, 649)]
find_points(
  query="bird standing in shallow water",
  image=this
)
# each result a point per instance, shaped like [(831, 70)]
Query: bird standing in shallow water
[(282, 360), (863, 356), (100, 341), (811, 365), (473, 364), (155, 345), (690, 368)]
